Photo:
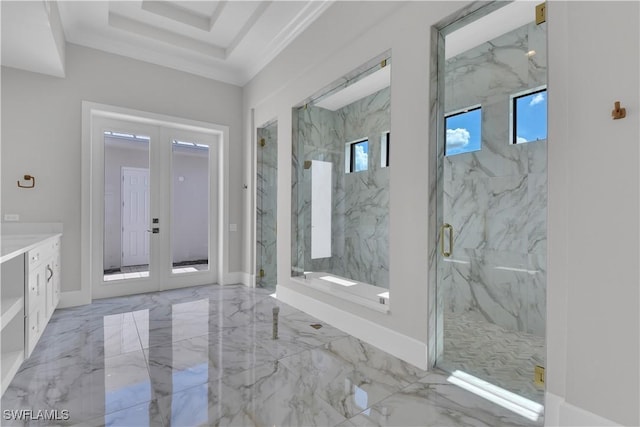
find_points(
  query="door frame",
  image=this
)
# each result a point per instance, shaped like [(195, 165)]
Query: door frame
[(435, 329), (92, 206)]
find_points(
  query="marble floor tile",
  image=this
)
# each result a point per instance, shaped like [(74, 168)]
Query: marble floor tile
[(144, 414), (86, 390), (265, 396), (505, 357), (351, 375), (206, 356), (433, 401)]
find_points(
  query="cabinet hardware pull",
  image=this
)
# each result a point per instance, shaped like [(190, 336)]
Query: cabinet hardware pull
[(50, 271), (444, 227)]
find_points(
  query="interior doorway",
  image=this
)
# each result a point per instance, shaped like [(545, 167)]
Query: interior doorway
[(491, 201)]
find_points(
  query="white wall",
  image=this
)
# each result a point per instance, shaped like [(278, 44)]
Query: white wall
[(333, 46), (593, 301), (41, 134), (593, 324)]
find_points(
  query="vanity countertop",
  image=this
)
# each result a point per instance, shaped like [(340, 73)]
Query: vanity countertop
[(12, 245)]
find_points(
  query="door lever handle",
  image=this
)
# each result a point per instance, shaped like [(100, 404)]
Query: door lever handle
[(154, 230), (444, 227)]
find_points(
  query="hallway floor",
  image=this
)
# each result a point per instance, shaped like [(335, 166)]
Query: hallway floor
[(205, 356)]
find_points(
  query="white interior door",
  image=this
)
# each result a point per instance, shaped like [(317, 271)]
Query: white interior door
[(135, 216), (157, 208)]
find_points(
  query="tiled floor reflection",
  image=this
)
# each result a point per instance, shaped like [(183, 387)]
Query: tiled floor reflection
[(205, 356), (504, 357), (139, 271)]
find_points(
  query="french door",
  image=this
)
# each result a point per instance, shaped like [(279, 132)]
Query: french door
[(156, 207)]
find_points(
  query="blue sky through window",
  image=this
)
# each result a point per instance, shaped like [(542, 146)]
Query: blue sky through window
[(531, 117), (463, 132), (361, 153)]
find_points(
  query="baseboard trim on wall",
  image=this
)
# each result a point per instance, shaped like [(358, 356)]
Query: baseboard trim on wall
[(238, 277), (557, 412), (74, 298), (401, 346)]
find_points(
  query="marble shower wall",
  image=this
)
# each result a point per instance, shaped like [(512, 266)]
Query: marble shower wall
[(496, 198), (267, 177), (360, 212)]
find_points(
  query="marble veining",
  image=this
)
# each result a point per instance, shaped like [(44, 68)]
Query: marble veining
[(360, 201), (185, 358), (496, 198), (267, 191)]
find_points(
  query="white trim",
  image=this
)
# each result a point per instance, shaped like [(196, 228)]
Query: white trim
[(560, 413), (401, 346), (247, 279), (74, 298), (237, 277)]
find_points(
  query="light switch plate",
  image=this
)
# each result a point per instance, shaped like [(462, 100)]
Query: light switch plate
[(12, 217)]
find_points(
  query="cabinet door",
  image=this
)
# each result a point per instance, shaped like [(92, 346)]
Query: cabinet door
[(33, 329), (56, 279), (50, 288), (36, 292)]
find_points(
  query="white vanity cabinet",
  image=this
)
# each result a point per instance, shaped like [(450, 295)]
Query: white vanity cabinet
[(43, 289), (29, 294)]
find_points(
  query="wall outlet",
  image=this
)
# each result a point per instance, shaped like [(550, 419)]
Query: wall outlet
[(11, 217), (233, 227)]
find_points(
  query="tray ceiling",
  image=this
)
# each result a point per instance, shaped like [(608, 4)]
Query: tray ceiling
[(224, 40)]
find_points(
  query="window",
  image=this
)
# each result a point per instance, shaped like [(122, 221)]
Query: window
[(529, 116), (463, 131), (384, 148), (357, 156)]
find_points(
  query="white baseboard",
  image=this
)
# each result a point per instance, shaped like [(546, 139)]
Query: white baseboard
[(401, 346), (238, 277), (557, 412), (74, 298)]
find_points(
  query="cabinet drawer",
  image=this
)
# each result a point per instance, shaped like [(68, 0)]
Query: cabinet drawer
[(35, 257), (43, 252), (33, 329)]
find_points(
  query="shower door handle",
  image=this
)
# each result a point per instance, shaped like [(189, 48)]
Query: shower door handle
[(444, 227)]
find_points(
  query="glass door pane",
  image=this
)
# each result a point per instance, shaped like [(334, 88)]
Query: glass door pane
[(190, 206), (492, 204), (126, 253), (267, 176)]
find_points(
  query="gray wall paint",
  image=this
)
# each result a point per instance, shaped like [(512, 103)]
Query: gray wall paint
[(41, 134)]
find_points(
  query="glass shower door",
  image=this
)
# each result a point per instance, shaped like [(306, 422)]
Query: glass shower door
[(267, 175), (491, 279)]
